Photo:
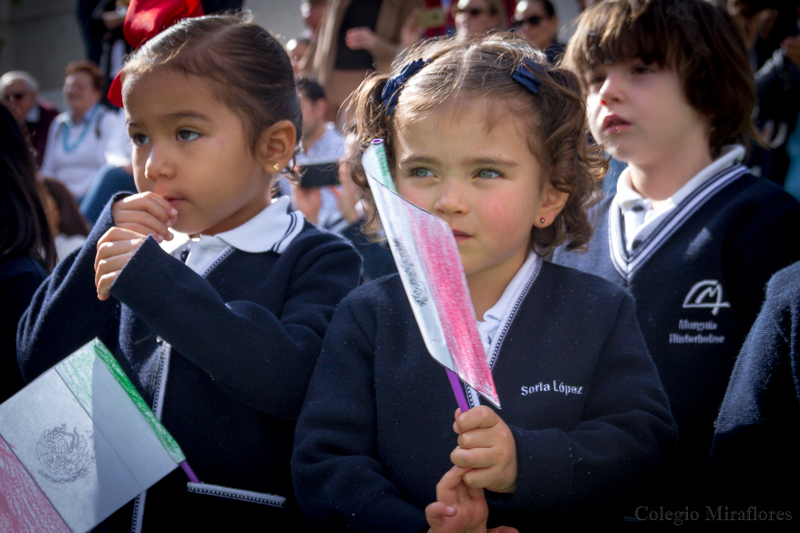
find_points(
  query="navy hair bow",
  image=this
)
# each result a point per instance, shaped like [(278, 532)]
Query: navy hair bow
[(391, 91), (526, 76)]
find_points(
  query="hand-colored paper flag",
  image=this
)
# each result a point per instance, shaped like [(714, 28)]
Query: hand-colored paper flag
[(77, 444), (430, 268)]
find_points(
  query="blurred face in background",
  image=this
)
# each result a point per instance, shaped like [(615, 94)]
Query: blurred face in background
[(474, 17), (533, 24), (19, 98), (80, 93)]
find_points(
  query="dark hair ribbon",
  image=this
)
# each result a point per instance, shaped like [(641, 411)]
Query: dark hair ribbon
[(526, 75), (391, 91)]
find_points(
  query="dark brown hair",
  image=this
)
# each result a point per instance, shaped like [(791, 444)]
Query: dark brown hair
[(71, 221), (89, 68), (247, 68), (23, 221), (554, 119), (694, 37)]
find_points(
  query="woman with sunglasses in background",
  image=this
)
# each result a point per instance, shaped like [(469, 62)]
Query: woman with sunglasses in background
[(536, 22), (478, 16)]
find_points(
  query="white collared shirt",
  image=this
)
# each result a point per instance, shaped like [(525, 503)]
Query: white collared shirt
[(273, 229), (638, 213), (500, 312)]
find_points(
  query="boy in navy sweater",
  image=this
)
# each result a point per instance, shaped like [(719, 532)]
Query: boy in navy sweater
[(689, 232), (223, 346)]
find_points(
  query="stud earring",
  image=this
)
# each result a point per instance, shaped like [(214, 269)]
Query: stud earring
[(276, 167), (542, 221)]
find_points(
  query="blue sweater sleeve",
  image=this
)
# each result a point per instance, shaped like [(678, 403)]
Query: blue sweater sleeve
[(339, 481)]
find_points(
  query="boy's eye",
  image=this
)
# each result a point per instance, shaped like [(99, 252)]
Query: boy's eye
[(487, 173), (187, 135), (421, 172), (139, 139)]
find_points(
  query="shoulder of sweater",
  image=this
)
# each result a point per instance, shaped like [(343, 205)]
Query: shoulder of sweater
[(783, 289)]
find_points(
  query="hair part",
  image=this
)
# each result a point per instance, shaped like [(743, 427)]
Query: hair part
[(553, 120), (247, 68), (697, 39), (24, 230)]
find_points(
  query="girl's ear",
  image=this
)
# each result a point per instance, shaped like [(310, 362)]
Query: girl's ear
[(276, 146), (553, 201)]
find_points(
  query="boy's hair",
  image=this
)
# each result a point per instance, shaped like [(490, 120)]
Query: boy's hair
[(310, 89), (694, 37), (89, 68), (553, 120), (247, 69)]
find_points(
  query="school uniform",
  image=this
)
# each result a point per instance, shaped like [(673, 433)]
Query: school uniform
[(697, 272), (223, 357), (589, 417), (760, 416)]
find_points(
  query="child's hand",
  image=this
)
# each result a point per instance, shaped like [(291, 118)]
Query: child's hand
[(459, 508), (487, 447), (114, 250), (145, 213)]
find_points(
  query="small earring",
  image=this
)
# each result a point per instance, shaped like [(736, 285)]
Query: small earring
[(542, 221), (276, 167), (603, 102)]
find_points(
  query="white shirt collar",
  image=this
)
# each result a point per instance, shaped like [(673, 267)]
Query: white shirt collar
[(273, 229), (638, 214), (500, 312), (33, 114)]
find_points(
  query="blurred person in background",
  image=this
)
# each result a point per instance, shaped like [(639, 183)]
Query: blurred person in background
[(27, 252), (67, 225), (20, 92), (478, 16), (536, 22)]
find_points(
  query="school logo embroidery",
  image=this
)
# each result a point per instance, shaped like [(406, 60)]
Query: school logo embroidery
[(66, 457), (706, 294)]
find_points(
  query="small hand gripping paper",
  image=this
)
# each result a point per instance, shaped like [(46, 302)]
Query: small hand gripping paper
[(430, 268)]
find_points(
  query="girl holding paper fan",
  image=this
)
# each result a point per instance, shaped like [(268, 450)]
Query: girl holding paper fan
[(221, 335), (485, 135)]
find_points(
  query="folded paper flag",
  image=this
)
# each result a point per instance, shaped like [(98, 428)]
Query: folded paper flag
[(430, 268), (77, 444)]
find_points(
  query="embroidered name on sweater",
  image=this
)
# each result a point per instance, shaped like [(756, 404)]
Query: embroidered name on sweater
[(557, 386)]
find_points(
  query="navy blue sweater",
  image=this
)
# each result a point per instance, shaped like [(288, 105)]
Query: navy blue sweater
[(244, 343), (698, 282), (760, 417), (578, 390)]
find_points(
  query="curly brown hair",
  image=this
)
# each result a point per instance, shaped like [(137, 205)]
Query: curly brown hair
[(471, 68)]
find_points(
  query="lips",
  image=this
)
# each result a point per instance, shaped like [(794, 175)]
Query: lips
[(460, 235), (173, 201), (614, 124)]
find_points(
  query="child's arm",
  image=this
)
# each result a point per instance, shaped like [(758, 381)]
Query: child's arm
[(459, 508), (65, 312)]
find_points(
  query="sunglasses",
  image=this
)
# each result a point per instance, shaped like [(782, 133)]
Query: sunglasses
[(10, 97), (533, 20), (472, 12)]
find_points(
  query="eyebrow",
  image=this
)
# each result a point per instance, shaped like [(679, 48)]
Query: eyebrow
[(474, 162), (180, 115)]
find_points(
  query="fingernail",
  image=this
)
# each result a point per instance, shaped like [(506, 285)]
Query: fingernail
[(159, 238), (451, 509), (173, 211)]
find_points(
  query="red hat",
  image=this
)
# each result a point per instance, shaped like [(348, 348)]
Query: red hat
[(146, 19)]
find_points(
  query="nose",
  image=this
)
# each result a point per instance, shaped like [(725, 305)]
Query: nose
[(159, 163), (452, 198), (612, 89)]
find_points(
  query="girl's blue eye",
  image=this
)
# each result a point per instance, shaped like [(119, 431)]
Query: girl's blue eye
[(421, 172), (187, 135), (487, 173), (139, 139)]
